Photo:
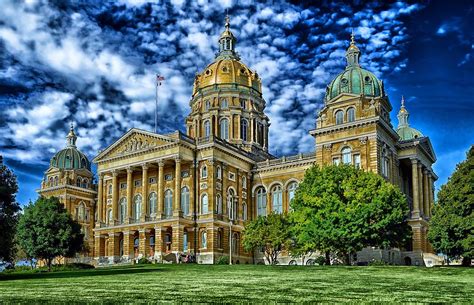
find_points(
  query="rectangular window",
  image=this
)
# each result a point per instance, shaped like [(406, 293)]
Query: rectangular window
[(123, 185), (231, 176), (336, 161), (357, 161), (184, 174), (137, 183), (243, 104), (152, 180), (168, 177)]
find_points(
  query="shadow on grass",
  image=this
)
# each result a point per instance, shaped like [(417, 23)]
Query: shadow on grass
[(79, 273)]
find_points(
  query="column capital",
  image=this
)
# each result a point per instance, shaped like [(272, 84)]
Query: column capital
[(414, 160), (161, 163), (144, 166), (177, 159), (420, 165), (114, 173), (129, 170), (101, 175)]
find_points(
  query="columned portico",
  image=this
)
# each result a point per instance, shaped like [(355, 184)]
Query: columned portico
[(129, 194), (144, 208), (161, 165), (177, 188), (114, 195)]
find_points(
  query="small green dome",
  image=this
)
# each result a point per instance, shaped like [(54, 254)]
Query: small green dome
[(408, 133), (354, 79), (70, 157)]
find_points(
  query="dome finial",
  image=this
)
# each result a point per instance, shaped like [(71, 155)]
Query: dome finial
[(353, 52), (352, 37), (227, 20), (403, 114), (71, 136)]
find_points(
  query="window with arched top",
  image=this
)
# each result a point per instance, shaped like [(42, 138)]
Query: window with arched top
[(51, 181), (219, 172), (83, 163), (78, 181), (261, 202), (81, 211), (204, 239), (207, 128), (85, 183), (168, 203), (204, 204), (122, 210), (291, 192), (219, 204), (109, 216), (185, 200), (277, 199), (110, 189), (232, 204), (244, 211), (224, 103), (185, 240), (385, 163), (152, 203), (244, 182), (346, 155), (56, 181), (235, 243), (137, 207), (204, 171), (224, 130), (207, 105), (351, 115), (244, 130), (339, 117)]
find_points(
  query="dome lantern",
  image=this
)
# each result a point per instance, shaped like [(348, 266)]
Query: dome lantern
[(404, 131), (227, 42), (70, 157), (352, 53), (71, 137)]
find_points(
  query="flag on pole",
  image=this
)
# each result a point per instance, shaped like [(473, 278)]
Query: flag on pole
[(159, 79)]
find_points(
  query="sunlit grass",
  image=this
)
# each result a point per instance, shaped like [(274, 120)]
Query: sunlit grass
[(240, 283)]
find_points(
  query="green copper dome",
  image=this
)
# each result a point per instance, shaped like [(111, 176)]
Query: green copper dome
[(354, 79), (404, 131), (70, 157)]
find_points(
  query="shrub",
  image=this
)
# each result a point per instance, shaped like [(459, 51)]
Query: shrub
[(143, 261), (320, 260), (223, 260), (377, 263)]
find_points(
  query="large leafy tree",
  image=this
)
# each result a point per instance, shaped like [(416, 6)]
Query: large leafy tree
[(270, 233), (452, 224), (8, 212), (341, 209), (46, 231)]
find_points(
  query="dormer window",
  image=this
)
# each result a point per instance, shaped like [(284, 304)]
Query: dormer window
[(339, 117), (351, 115)]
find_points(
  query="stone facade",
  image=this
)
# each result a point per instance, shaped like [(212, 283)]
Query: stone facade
[(161, 196)]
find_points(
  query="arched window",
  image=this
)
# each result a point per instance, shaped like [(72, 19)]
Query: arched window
[(168, 203), (351, 115), (204, 239), (78, 181), (277, 199), (224, 129), (207, 105), (152, 204), (81, 212), (207, 128), (244, 129), (244, 211), (261, 202), (244, 182), (110, 189), (219, 204), (385, 163), (109, 216), (291, 192), (204, 204), (339, 117), (346, 155), (231, 204), (224, 103), (204, 171), (185, 200), (235, 243), (56, 181), (51, 183), (219, 172), (85, 183), (219, 239), (122, 210), (83, 163), (137, 207)]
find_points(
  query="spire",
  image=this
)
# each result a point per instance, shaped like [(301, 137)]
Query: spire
[(227, 42), (71, 137), (403, 115), (353, 52)]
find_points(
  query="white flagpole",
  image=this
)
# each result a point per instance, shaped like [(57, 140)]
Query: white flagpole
[(156, 103)]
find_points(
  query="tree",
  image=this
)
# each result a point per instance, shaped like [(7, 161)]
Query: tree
[(452, 224), (46, 231), (342, 209), (270, 233), (8, 212)]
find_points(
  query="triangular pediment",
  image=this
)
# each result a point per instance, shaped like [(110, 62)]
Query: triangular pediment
[(135, 140), (428, 148)]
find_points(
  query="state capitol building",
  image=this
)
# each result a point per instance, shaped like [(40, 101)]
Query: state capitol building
[(161, 195)]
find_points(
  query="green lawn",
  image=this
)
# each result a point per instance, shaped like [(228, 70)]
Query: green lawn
[(241, 283)]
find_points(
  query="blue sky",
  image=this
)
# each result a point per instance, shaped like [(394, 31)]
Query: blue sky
[(94, 63)]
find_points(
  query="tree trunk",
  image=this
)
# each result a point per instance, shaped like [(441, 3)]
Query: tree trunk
[(328, 258), (49, 260), (347, 259)]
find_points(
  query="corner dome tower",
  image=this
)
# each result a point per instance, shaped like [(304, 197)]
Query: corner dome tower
[(354, 79), (70, 157), (404, 131), (227, 69)]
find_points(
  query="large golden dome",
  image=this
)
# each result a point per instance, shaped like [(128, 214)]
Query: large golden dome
[(227, 69)]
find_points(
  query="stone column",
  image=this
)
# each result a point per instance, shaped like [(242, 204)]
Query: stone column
[(430, 186), (127, 253), (239, 127), (158, 242), (142, 243), (177, 239), (231, 127), (192, 185), (177, 188), (100, 199), (415, 213), (99, 244), (160, 188), (265, 128), (113, 243), (114, 196), (129, 195), (144, 192), (426, 194), (251, 129), (420, 187), (269, 202)]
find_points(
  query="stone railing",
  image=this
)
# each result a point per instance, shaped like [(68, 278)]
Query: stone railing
[(287, 159)]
